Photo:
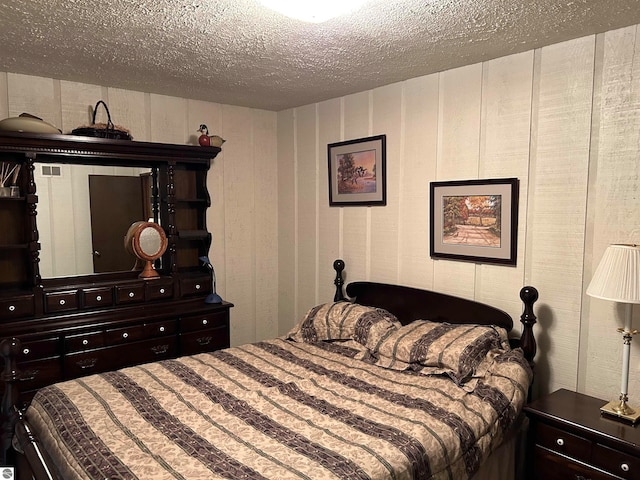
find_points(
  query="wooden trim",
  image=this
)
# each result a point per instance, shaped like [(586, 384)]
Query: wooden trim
[(72, 146)]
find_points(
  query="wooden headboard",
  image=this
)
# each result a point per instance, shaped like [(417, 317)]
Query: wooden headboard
[(409, 304)]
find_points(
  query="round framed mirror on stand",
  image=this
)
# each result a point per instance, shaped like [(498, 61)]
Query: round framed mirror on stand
[(147, 241)]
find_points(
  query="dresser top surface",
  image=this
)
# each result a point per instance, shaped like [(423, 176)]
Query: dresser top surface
[(582, 412)]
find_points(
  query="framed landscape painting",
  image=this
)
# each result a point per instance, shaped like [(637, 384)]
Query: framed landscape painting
[(357, 172), (475, 220)]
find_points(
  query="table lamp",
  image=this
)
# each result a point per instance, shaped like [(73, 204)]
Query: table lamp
[(617, 279)]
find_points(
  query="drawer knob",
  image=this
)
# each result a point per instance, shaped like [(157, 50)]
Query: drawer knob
[(162, 290), (624, 467), (560, 442), (12, 308), (162, 329), (131, 294), (99, 298), (125, 335), (26, 351), (85, 342), (205, 321), (62, 302), (198, 286)]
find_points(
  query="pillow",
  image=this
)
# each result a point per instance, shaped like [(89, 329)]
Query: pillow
[(434, 347), (344, 321)]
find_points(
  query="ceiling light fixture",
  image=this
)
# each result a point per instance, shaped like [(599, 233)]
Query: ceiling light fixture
[(313, 11)]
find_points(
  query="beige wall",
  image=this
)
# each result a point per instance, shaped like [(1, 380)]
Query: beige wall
[(243, 214), (564, 119)]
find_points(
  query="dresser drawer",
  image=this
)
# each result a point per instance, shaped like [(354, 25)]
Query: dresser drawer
[(204, 340), (17, 307), (79, 364), (159, 290), (128, 334), (204, 321), (97, 297), (39, 373), (200, 285), (618, 463), (61, 301), (126, 294), (563, 442), (156, 349), (84, 341), (548, 465), (161, 329), (40, 348), (120, 356)]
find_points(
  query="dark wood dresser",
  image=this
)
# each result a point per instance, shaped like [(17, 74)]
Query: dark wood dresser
[(75, 325), (569, 439)]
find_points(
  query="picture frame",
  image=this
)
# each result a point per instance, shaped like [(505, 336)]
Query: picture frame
[(475, 220), (357, 172)]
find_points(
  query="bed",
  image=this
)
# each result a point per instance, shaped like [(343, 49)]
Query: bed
[(362, 389)]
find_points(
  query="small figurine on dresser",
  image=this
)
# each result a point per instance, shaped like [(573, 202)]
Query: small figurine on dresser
[(206, 140)]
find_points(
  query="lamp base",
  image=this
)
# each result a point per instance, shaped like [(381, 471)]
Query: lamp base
[(621, 411), (213, 298)]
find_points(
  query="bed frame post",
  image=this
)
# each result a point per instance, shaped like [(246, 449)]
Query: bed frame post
[(338, 266), (528, 295), (9, 349)]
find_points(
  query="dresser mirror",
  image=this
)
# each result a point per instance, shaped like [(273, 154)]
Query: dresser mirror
[(84, 212)]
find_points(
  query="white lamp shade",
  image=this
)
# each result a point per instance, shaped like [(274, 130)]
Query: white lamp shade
[(617, 277)]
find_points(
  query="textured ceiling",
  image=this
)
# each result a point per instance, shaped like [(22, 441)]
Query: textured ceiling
[(240, 53)]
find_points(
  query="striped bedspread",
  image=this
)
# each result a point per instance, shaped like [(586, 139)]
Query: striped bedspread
[(277, 409)]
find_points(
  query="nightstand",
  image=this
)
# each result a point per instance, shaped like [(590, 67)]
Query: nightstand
[(569, 439)]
